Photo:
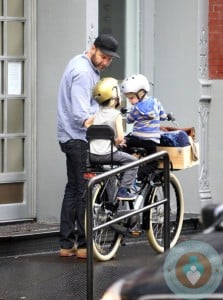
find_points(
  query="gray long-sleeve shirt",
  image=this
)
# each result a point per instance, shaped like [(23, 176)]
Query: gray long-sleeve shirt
[(75, 102)]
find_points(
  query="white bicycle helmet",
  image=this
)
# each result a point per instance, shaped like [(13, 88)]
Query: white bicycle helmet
[(135, 83), (107, 88)]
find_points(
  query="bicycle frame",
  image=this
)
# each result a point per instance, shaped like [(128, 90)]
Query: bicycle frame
[(97, 179)]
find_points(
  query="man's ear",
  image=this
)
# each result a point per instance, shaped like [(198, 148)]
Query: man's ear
[(93, 48), (91, 51)]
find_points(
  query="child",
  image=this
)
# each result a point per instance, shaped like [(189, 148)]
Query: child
[(145, 114), (107, 93)]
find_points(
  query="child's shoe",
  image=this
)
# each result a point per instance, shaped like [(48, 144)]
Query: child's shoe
[(124, 194)]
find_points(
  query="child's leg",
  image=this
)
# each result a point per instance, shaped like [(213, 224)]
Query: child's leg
[(129, 175)]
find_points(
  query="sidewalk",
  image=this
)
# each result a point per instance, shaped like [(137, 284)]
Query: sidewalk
[(31, 269), (47, 276)]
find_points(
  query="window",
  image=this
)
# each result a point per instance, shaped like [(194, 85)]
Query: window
[(15, 100)]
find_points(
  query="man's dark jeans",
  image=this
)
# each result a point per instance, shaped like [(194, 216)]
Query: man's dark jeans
[(74, 201)]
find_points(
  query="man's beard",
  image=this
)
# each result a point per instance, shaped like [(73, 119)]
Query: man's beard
[(98, 66)]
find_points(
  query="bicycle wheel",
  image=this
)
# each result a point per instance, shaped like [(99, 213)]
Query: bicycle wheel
[(156, 215), (106, 241)]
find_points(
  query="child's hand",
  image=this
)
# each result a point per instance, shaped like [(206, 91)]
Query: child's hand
[(123, 143), (171, 117), (124, 110)]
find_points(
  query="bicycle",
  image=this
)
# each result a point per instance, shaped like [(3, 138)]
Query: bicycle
[(105, 207)]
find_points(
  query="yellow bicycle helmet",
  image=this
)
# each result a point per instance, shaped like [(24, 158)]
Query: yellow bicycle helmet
[(106, 89)]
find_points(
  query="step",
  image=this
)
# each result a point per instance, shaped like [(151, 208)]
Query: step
[(31, 237)]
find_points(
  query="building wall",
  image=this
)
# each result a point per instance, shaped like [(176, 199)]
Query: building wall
[(176, 78), (216, 142), (216, 74), (169, 53), (188, 80), (215, 39), (62, 32)]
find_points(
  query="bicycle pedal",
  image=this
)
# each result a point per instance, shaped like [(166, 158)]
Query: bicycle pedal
[(135, 233)]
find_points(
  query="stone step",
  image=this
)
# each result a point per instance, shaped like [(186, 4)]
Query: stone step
[(31, 237)]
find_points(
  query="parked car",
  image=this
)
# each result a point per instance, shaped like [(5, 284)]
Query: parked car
[(191, 270)]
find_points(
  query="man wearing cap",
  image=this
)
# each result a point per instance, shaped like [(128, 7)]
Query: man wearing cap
[(75, 107)]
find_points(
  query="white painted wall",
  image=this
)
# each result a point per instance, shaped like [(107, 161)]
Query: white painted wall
[(216, 142), (169, 48), (175, 75), (63, 30)]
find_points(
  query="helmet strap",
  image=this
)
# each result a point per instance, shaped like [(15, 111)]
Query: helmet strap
[(141, 94), (117, 102)]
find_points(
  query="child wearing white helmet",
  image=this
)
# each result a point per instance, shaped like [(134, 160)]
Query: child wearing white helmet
[(145, 114), (107, 93)]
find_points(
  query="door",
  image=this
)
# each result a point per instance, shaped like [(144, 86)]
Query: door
[(16, 106)]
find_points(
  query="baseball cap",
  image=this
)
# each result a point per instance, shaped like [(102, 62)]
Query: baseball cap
[(107, 44)]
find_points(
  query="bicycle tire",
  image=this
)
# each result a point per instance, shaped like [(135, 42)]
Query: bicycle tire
[(156, 215), (106, 241)]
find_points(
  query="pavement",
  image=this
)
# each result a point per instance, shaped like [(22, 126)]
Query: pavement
[(47, 276), (31, 269)]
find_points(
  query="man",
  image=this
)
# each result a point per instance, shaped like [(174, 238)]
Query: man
[(75, 107)]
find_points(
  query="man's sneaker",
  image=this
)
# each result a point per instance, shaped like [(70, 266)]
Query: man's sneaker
[(124, 194), (68, 252), (81, 253)]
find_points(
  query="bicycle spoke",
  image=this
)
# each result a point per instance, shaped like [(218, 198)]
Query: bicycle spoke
[(156, 230), (105, 240)]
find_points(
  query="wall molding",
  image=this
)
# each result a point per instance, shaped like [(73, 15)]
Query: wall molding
[(204, 102)]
